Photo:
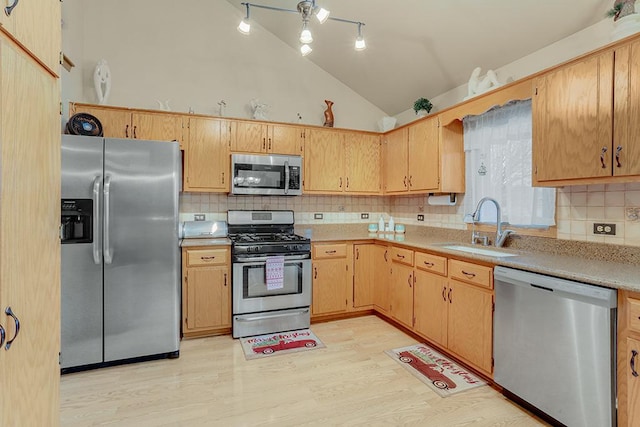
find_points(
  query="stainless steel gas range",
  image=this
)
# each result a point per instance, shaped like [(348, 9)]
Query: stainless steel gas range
[(271, 273)]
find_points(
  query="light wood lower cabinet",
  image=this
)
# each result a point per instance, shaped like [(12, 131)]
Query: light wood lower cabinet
[(401, 307), (206, 291), (331, 279), (430, 304), (628, 359), (381, 284), (364, 275)]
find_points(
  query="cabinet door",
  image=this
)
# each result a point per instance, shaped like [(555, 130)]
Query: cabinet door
[(626, 127), (115, 123), (330, 282), (572, 120), (36, 25), (364, 261), (363, 163), (424, 156), (430, 306), (251, 137), (284, 139), (207, 162), (402, 294), (396, 159), (470, 332), (208, 298), (382, 281), (633, 383), (324, 161), (156, 126), (30, 243)]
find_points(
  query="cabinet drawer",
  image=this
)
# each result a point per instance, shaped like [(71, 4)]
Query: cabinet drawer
[(403, 256), (633, 314), (338, 250), (471, 273), (197, 257), (431, 263)]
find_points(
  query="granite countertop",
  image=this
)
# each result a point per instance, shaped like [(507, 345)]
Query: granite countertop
[(220, 241), (612, 266)]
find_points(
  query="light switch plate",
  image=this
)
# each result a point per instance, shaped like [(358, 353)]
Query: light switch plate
[(318, 216)]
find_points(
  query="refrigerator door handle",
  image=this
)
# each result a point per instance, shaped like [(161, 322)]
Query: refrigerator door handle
[(96, 220), (108, 255)]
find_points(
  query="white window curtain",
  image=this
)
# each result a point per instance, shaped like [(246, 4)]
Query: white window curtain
[(498, 157)]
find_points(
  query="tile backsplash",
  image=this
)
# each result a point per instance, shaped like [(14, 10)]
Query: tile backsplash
[(577, 208)]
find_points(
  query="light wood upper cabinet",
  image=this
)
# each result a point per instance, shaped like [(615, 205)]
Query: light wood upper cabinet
[(36, 26), (207, 159), (424, 155), (30, 259), (626, 126), (324, 161), (257, 137), (396, 156), (124, 123), (572, 120), (363, 163)]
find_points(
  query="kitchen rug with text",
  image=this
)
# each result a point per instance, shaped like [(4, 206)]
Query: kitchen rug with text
[(279, 343), (435, 370)]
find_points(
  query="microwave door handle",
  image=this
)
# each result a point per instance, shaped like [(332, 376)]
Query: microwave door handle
[(287, 176), (96, 220)]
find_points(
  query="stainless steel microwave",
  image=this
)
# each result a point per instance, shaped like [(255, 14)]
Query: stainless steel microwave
[(266, 174)]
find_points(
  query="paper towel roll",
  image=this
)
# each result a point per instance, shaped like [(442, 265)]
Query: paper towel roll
[(444, 200)]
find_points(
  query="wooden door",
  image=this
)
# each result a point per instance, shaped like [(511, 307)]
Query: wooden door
[(572, 120), (402, 294), (633, 382), (381, 283), (626, 127), (284, 139), (324, 161), (430, 306), (208, 298), (36, 25), (251, 137), (364, 261), (363, 163), (207, 160), (156, 126), (330, 282), (396, 152), (424, 156), (470, 332), (116, 123), (29, 240)]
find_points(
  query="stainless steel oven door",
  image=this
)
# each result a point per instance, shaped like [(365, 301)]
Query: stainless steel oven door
[(250, 293)]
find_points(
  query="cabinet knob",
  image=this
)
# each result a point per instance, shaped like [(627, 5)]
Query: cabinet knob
[(9, 312), (9, 9), (602, 162), (618, 150), (632, 363)]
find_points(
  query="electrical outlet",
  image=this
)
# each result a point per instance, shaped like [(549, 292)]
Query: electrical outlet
[(602, 228), (340, 208), (420, 217), (364, 216), (318, 216), (198, 217)]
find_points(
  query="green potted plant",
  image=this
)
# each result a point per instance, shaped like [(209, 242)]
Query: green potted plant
[(422, 106)]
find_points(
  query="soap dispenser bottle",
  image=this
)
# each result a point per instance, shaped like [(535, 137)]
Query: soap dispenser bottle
[(381, 224), (392, 225)]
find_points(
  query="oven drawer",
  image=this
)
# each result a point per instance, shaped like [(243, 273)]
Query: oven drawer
[(338, 250), (199, 257)]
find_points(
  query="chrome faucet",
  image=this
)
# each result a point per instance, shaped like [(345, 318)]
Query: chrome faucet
[(501, 235)]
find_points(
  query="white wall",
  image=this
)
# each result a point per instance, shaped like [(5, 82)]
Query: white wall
[(577, 44), (191, 54)]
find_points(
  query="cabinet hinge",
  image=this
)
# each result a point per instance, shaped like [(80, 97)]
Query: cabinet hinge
[(61, 54), (347, 266), (493, 307), (346, 302), (61, 108), (492, 362), (536, 171), (536, 92)]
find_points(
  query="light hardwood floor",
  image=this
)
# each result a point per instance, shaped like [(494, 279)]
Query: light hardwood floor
[(350, 382)]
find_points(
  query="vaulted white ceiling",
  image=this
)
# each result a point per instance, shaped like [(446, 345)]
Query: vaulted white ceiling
[(423, 48)]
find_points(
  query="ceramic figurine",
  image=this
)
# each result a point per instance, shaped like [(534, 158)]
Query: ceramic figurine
[(102, 81), (479, 85), (259, 109), (328, 114)]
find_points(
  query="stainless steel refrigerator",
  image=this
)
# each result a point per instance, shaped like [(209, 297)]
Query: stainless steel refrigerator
[(120, 253)]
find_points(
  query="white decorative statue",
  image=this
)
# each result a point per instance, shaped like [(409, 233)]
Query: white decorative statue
[(102, 81), (259, 109), (479, 85), (164, 106)]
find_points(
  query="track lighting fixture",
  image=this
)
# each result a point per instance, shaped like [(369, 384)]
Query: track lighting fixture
[(307, 9)]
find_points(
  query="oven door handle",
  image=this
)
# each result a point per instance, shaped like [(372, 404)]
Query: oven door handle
[(287, 176), (264, 258), (271, 316)]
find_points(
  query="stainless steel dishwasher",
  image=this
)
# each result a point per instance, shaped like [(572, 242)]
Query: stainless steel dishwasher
[(554, 346)]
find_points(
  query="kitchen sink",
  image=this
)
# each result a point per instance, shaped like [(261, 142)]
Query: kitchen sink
[(478, 250)]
